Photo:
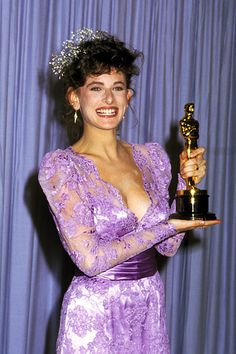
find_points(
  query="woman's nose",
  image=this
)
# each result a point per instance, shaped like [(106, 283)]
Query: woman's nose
[(108, 96)]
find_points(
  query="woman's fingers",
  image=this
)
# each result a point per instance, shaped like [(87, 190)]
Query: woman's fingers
[(198, 152), (191, 168), (195, 166), (187, 225)]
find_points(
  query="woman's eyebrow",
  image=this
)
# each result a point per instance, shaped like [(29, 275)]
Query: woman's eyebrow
[(101, 83), (95, 83)]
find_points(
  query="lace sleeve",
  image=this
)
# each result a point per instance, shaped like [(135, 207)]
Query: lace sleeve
[(170, 246), (74, 219)]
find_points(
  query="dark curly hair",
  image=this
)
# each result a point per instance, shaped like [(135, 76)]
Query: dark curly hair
[(100, 56), (97, 57)]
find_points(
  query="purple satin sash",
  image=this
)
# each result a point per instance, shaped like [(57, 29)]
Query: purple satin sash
[(141, 266)]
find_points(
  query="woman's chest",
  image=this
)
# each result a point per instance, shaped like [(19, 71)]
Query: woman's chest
[(129, 182), (115, 216), (124, 197)]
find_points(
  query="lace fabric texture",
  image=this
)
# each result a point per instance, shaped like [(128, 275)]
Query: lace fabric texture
[(100, 232)]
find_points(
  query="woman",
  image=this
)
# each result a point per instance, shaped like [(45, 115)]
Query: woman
[(110, 204)]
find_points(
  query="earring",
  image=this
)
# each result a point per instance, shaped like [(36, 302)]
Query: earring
[(75, 117)]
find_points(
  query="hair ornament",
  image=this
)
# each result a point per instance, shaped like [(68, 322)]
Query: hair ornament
[(71, 49)]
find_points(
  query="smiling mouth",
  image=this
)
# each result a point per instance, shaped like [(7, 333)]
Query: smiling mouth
[(107, 112)]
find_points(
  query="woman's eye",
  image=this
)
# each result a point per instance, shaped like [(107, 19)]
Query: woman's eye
[(118, 88), (95, 88)]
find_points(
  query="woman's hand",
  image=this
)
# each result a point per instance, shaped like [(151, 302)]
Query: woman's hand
[(187, 225), (195, 166)]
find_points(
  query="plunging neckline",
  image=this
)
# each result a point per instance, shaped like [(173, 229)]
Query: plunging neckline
[(114, 188)]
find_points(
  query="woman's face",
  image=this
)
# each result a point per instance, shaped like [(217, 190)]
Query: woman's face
[(103, 100)]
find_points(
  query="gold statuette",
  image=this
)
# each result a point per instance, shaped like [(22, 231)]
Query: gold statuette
[(192, 203)]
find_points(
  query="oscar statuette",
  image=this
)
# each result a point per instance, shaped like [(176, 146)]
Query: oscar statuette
[(192, 203)]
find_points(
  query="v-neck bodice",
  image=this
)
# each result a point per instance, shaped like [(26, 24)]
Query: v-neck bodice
[(115, 190), (83, 203), (110, 214)]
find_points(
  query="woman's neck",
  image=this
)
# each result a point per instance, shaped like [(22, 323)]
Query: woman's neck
[(102, 143)]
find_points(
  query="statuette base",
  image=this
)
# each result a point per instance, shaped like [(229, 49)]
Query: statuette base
[(192, 204)]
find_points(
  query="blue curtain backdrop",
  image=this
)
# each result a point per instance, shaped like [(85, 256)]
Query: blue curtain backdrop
[(190, 51)]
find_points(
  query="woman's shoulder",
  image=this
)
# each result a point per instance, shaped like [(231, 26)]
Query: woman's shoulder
[(155, 149), (153, 154), (64, 162), (60, 156), (51, 163), (154, 146), (57, 161), (160, 160), (53, 158)]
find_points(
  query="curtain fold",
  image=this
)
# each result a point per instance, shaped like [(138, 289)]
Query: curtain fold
[(190, 49)]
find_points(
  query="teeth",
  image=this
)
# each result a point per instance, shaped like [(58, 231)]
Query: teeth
[(106, 111)]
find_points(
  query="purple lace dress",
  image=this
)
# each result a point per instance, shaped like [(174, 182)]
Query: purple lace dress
[(115, 303)]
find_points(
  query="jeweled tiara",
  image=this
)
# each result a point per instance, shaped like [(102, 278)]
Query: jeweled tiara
[(71, 48)]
